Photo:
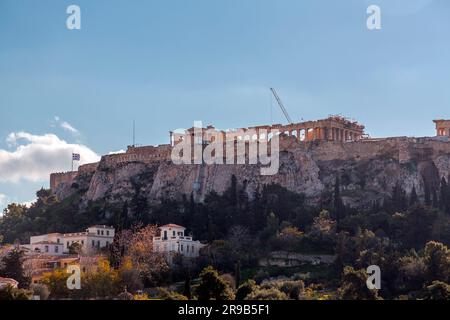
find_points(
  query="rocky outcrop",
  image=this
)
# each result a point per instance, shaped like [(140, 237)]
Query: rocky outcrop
[(368, 170)]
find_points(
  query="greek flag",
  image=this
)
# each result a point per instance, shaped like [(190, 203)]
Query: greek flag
[(76, 157)]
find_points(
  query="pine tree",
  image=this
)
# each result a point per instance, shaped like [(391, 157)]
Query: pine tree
[(338, 204), (12, 267)]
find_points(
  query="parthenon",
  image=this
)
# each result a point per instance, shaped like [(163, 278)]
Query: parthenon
[(334, 128)]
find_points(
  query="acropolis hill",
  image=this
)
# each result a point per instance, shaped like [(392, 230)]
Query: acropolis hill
[(311, 155)]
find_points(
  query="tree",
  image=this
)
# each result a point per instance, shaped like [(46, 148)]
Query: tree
[(187, 286), (103, 282), (12, 267), (245, 289), (150, 264), (75, 248), (56, 282), (237, 274), (9, 293), (437, 260), (354, 286), (212, 286), (338, 205), (438, 290), (267, 294)]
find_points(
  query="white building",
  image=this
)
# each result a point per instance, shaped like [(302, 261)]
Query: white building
[(93, 239), (173, 240), (4, 282)]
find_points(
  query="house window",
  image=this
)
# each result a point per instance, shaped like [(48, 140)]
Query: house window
[(46, 248), (107, 232), (93, 243), (182, 248), (82, 242), (103, 233), (174, 234), (98, 244), (187, 249), (165, 235), (98, 232), (56, 249), (107, 243)]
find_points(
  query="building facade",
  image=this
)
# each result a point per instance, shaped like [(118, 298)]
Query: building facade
[(90, 241), (172, 240)]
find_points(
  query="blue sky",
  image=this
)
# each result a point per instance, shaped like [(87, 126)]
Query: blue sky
[(168, 63)]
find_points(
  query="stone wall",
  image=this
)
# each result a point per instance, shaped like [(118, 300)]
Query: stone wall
[(59, 178), (146, 154)]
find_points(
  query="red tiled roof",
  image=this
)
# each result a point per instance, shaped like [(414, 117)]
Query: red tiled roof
[(171, 225)]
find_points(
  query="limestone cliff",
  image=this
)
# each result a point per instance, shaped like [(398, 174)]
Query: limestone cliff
[(368, 169)]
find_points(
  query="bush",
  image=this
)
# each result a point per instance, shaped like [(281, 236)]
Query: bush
[(293, 289), (10, 293), (260, 276), (267, 294), (40, 290), (246, 289), (212, 286), (165, 294), (437, 291)]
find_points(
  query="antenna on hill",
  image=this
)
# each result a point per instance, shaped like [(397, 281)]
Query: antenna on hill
[(134, 133)]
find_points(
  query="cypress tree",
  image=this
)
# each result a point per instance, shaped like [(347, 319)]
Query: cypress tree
[(237, 274), (187, 286), (338, 204)]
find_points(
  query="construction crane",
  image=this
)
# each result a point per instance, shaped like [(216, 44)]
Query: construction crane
[(280, 103)]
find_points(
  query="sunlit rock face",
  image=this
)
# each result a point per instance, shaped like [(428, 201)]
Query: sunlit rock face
[(368, 171)]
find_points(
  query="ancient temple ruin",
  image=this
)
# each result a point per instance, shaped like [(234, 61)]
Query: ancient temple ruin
[(334, 128), (442, 128)]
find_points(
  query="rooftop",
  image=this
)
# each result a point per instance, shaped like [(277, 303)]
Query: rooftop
[(171, 225)]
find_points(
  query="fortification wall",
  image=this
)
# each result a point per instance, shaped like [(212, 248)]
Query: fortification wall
[(146, 154), (61, 177), (88, 168)]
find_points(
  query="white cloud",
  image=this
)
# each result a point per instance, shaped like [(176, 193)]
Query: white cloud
[(3, 200), (28, 203), (36, 156), (68, 127), (117, 152)]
